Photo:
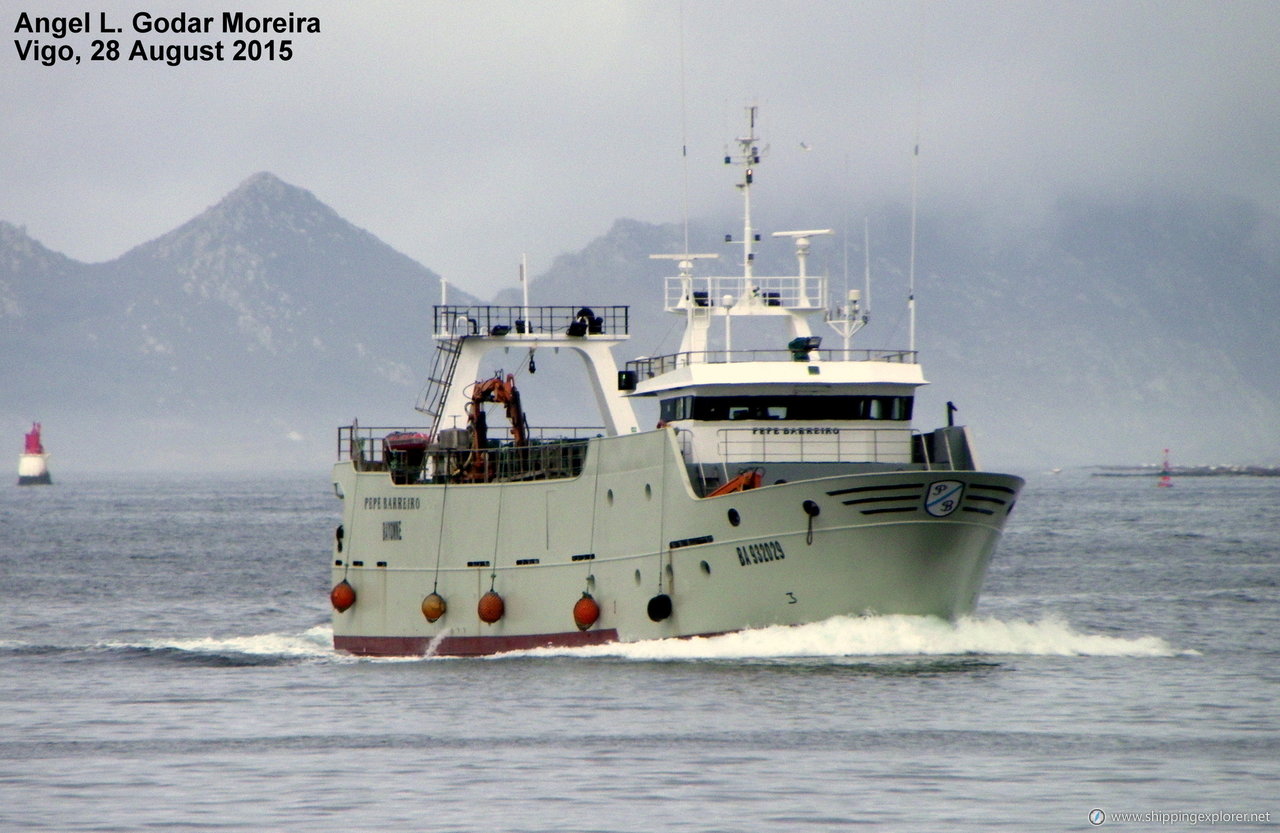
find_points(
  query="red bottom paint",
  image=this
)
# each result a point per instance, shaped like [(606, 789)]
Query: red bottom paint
[(467, 646)]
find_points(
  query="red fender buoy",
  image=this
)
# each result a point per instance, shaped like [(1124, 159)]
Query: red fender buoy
[(342, 596), (433, 607), (585, 612), (490, 607)]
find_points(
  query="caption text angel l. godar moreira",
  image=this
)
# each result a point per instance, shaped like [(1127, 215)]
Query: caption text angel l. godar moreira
[(149, 38)]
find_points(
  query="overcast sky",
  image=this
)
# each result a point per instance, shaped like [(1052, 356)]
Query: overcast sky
[(466, 133)]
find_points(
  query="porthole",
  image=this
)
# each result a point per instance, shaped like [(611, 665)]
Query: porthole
[(670, 572), (648, 491), (608, 496), (706, 568), (734, 517), (637, 578)]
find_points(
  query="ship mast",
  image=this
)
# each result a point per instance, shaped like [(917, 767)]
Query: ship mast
[(701, 300), (748, 156)]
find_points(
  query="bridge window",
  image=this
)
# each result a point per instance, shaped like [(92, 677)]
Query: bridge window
[(672, 409), (810, 408)]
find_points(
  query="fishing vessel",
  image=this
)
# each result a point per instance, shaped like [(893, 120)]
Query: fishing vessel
[(781, 485), (33, 469)]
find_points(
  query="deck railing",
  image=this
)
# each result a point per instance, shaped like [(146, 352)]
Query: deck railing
[(787, 292), (651, 366), (486, 320), (550, 453), (835, 445)]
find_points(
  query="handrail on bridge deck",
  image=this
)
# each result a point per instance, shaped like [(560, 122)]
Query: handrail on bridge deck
[(491, 320), (651, 366)]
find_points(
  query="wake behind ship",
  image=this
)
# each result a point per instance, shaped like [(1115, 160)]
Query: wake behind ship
[(781, 486)]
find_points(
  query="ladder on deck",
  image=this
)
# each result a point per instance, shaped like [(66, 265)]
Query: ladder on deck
[(441, 379)]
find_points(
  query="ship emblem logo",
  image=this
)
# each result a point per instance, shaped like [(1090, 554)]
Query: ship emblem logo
[(943, 497)]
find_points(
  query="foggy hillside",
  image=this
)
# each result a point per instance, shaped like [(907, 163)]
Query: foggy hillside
[(1100, 333), (238, 339)]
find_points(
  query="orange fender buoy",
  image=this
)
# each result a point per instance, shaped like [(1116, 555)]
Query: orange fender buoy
[(585, 612), (342, 596), (490, 608), (433, 607)]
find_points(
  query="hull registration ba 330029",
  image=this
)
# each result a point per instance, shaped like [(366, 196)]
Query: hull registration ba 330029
[(779, 487)]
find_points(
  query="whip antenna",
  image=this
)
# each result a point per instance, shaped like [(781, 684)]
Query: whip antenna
[(915, 177), (911, 269), (684, 131)]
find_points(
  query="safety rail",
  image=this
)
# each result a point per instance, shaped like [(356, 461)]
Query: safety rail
[(410, 455), (814, 445), (539, 460), (651, 366), (486, 320), (786, 292)]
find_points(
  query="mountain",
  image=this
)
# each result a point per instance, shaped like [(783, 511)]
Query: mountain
[(243, 337), (1101, 332), (25, 263), (1111, 330)]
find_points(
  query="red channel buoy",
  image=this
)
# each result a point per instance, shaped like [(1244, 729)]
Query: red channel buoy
[(490, 607), (433, 607), (343, 596), (585, 612)]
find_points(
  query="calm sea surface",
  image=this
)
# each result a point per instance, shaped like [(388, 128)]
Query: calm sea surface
[(165, 665)]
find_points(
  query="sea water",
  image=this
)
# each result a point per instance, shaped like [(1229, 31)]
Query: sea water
[(165, 665)]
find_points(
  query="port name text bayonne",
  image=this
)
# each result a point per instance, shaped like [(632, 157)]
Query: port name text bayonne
[(232, 23)]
